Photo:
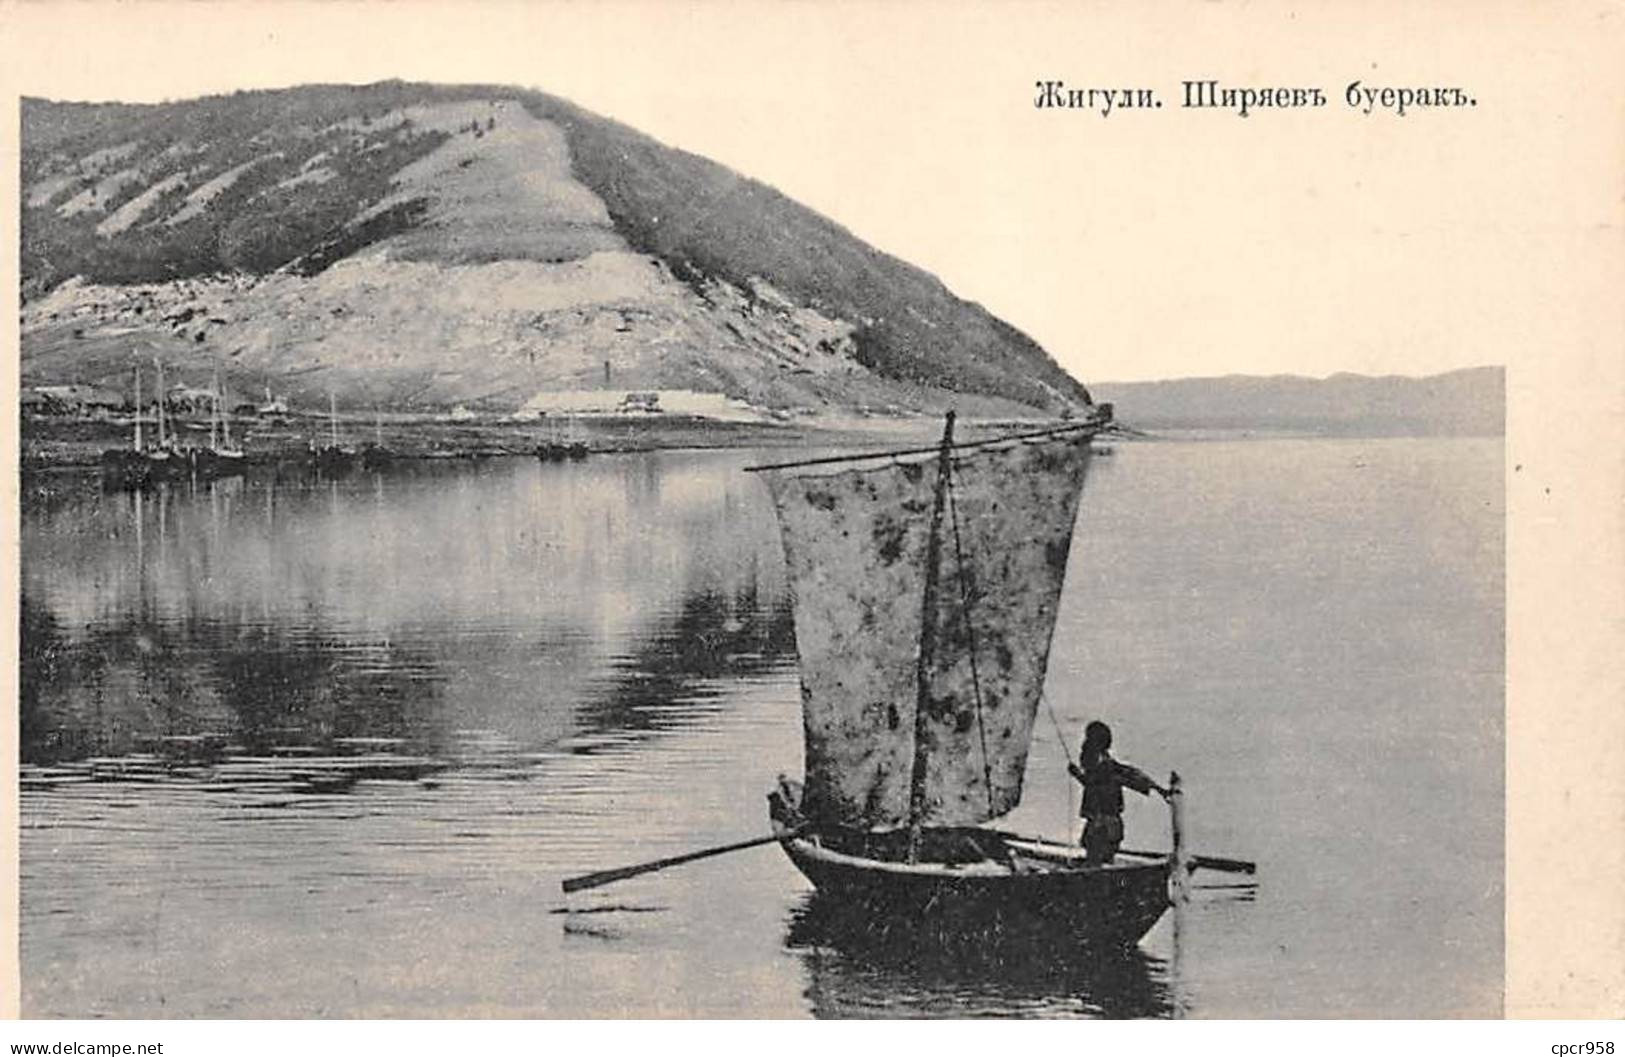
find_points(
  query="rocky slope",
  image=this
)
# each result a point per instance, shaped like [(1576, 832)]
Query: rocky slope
[(413, 247)]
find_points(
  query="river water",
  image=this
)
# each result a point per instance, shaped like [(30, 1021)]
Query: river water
[(312, 748)]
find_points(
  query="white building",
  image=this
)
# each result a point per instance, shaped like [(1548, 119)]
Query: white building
[(638, 402)]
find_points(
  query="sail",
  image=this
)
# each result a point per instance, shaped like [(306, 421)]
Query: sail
[(857, 540)]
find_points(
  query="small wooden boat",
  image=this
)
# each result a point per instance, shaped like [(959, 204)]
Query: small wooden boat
[(210, 463), (124, 468), (925, 588), (128, 467), (334, 458), (557, 448), (142, 464), (976, 880), (376, 456), (222, 458)]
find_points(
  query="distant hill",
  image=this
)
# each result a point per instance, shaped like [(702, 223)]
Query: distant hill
[(410, 245), (1470, 402)]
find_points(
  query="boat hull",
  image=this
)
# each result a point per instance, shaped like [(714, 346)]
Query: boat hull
[(122, 468), (983, 882), (335, 460), (1114, 905)]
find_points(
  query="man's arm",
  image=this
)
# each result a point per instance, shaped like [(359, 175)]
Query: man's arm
[(1138, 780)]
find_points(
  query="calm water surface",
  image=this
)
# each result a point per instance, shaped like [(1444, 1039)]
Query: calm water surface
[(326, 748)]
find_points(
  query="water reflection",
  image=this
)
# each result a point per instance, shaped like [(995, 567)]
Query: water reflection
[(711, 636), (857, 966), (539, 602), (305, 747)]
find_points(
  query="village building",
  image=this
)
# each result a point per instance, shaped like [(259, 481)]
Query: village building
[(187, 399), (691, 402), (72, 400)]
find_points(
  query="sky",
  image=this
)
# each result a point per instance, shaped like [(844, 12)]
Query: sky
[(1143, 244)]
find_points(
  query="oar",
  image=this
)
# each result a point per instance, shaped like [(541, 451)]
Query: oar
[(621, 873), (1205, 862), (1208, 862)]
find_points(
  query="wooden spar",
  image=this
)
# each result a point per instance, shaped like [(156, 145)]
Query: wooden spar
[(928, 643), (138, 407), (1176, 815), (1210, 862), (1187, 862), (1199, 862), (828, 459), (621, 873), (1176, 823)]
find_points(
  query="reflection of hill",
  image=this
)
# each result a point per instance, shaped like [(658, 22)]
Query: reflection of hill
[(857, 967), (411, 605), (134, 678), (40, 665), (713, 636)]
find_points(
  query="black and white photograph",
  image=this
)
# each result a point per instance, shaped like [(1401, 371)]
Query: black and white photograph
[(776, 512)]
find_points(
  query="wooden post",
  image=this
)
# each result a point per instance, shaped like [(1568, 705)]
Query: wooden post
[(928, 642), (1179, 880)]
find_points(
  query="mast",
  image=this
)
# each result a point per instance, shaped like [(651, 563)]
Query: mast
[(333, 416), (137, 407), (214, 412), (225, 415), (928, 645), (160, 365)]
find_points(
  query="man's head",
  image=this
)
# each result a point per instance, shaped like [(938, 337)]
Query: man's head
[(1097, 736)]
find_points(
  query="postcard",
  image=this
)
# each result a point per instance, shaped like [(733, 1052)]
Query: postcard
[(745, 511)]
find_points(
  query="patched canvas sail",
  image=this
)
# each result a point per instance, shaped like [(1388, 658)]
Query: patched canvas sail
[(856, 541)]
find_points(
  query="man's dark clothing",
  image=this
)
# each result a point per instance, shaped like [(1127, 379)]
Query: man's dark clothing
[(1103, 780)]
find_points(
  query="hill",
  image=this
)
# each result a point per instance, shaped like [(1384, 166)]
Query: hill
[(1470, 402), (414, 246)]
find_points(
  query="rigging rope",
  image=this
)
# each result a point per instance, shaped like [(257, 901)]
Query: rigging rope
[(1066, 753), (1056, 723), (970, 633)]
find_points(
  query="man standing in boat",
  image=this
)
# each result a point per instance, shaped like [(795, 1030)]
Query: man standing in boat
[(1103, 780)]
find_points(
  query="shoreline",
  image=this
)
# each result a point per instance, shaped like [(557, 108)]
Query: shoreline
[(50, 443)]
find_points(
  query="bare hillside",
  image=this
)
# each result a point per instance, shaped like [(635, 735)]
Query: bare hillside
[(415, 246)]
